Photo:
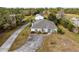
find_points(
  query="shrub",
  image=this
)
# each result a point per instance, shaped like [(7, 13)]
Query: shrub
[(60, 31), (52, 17), (33, 32), (69, 25), (39, 32)]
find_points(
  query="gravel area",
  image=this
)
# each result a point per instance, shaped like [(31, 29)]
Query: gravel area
[(33, 43)]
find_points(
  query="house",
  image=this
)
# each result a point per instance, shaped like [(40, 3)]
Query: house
[(38, 17), (75, 22), (43, 25), (60, 14)]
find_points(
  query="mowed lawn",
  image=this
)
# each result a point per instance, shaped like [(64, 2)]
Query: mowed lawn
[(21, 39), (29, 18), (58, 42)]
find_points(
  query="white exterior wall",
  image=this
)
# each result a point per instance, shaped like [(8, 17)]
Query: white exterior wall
[(39, 30), (45, 30), (32, 29), (32, 24), (55, 30), (36, 29), (38, 17), (51, 31)]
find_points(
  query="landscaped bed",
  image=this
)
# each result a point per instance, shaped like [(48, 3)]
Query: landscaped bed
[(21, 39)]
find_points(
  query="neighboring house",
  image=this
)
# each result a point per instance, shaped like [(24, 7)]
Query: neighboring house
[(44, 26), (60, 14), (38, 17), (75, 22), (76, 30)]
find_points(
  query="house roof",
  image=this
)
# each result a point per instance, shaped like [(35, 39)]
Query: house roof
[(44, 24), (75, 21), (38, 17)]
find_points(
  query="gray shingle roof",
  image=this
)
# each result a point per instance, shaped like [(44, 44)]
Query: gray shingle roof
[(44, 24)]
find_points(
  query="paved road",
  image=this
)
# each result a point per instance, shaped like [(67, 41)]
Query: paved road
[(11, 39), (32, 44)]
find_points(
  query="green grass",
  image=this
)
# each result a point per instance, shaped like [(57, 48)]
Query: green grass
[(21, 39), (28, 18)]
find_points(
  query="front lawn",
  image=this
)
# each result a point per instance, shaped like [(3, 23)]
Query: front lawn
[(29, 18), (68, 41)]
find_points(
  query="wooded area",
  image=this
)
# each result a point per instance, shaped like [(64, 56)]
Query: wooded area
[(13, 17)]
